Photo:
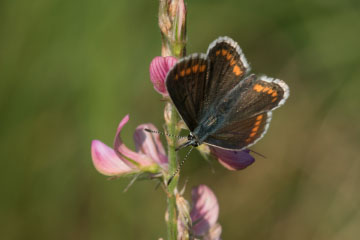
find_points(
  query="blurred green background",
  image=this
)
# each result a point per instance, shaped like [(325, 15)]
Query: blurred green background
[(71, 70)]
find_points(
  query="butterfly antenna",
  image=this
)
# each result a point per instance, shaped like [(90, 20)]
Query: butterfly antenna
[(162, 133), (180, 165), (257, 153)]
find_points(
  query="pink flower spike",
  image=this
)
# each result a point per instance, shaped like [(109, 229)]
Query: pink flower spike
[(205, 210), (106, 161), (123, 152), (233, 160), (159, 67), (150, 144)]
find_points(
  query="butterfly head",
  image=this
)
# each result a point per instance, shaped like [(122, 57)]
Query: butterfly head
[(193, 141)]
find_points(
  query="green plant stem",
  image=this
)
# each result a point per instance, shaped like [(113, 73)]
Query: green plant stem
[(172, 23), (171, 203), (177, 50)]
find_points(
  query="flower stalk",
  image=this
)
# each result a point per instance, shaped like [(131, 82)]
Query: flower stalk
[(172, 23), (171, 202)]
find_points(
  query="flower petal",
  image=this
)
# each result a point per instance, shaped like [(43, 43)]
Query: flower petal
[(184, 219), (122, 151), (150, 144), (214, 233), (181, 17), (159, 68), (233, 160), (106, 161), (205, 210)]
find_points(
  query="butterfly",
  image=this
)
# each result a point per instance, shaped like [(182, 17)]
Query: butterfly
[(220, 101)]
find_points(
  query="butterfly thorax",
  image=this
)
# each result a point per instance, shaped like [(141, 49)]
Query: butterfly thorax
[(193, 141), (215, 117), (212, 121)]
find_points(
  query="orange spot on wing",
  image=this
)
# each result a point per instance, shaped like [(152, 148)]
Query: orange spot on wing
[(232, 62), (270, 91), (217, 52), (255, 129), (259, 117), (188, 71), (237, 70), (266, 89), (228, 56), (202, 68), (224, 52), (258, 87), (274, 99), (195, 68), (176, 77), (274, 94), (182, 73)]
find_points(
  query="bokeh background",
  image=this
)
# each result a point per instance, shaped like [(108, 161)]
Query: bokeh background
[(71, 70)]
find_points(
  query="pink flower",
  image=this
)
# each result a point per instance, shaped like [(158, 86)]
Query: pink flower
[(159, 67), (148, 157), (107, 162), (233, 160), (204, 215)]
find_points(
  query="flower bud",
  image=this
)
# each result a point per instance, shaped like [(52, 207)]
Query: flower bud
[(159, 67)]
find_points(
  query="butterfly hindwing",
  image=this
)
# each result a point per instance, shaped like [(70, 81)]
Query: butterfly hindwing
[(255, 95), (249, 117), (241, 134), (185, 83)]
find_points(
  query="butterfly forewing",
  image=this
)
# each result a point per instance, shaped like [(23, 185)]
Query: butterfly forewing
[(186, 86), (227, 67)]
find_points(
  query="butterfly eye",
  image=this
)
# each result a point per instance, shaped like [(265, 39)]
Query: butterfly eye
[(190, 137)]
